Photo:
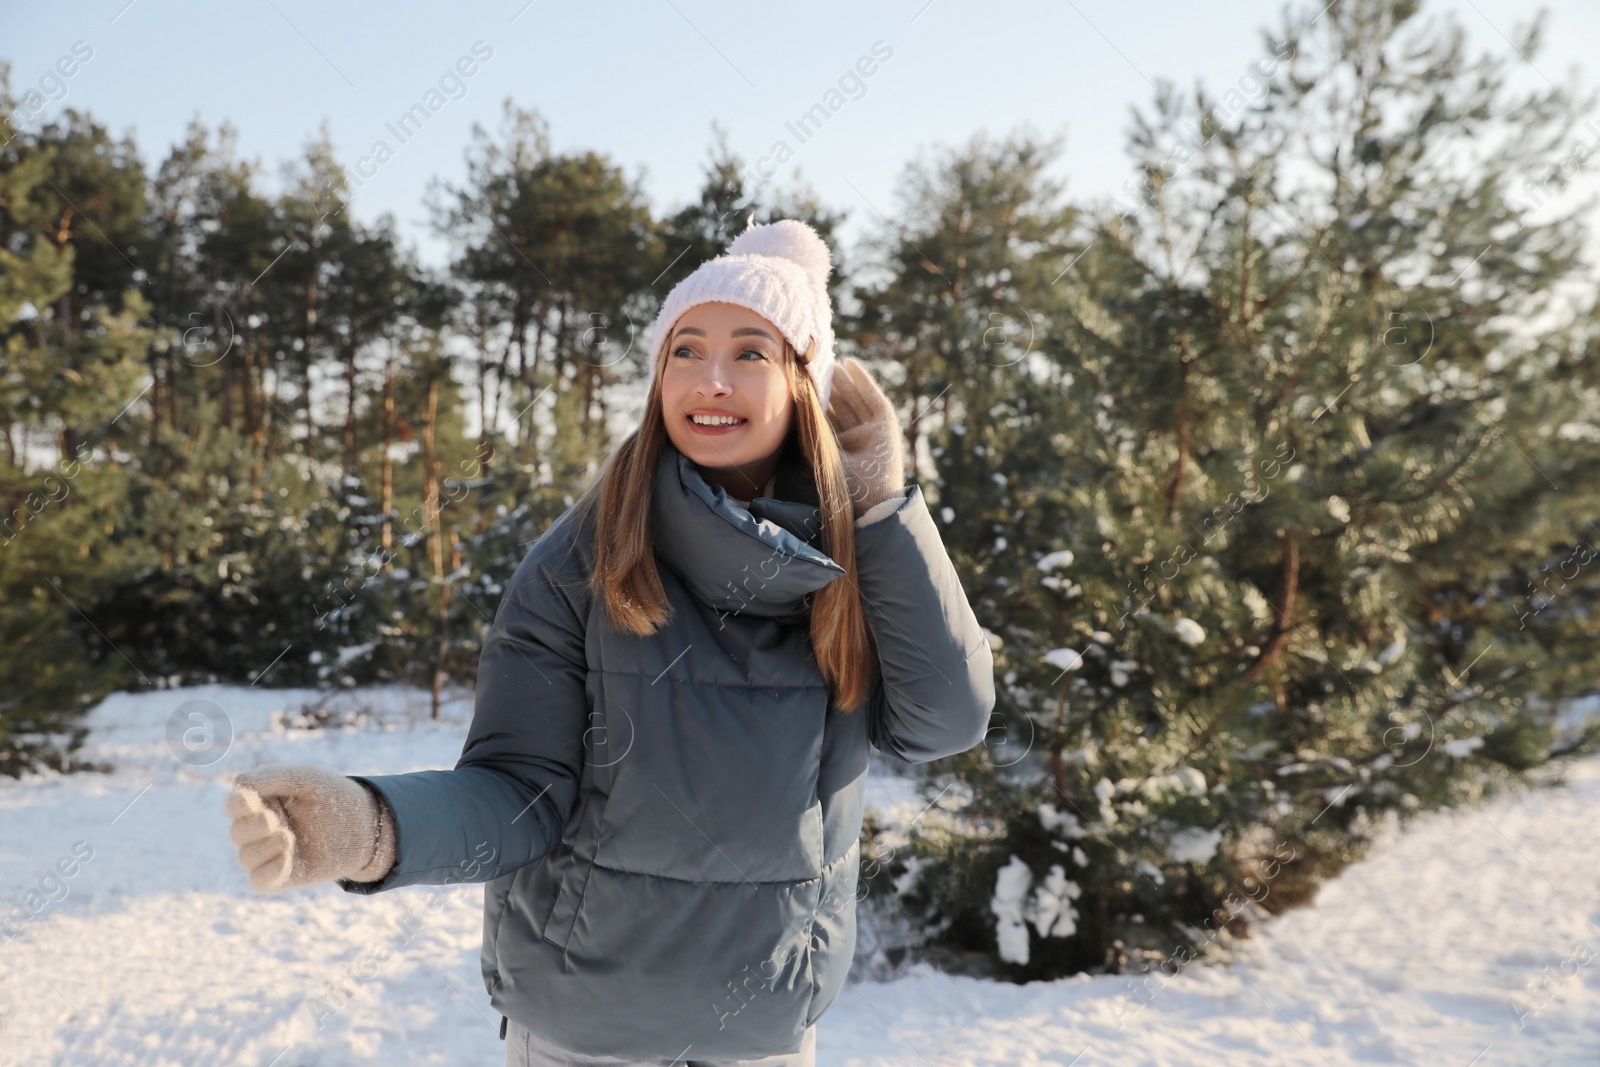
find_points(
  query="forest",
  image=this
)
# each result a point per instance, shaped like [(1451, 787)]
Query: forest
[(1274, 480)]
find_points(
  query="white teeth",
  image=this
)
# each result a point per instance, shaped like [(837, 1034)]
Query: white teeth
[(715, 420)]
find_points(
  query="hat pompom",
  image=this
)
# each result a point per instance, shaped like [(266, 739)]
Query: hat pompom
[(787, 239)]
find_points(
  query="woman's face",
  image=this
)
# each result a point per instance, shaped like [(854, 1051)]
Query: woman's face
[(725, 362)]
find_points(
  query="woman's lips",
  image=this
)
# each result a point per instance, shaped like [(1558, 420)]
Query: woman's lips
[(715, 431)]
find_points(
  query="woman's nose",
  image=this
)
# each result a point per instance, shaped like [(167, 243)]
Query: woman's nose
[(713, 380)]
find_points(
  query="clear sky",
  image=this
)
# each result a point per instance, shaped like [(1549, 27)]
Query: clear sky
[(643, 81)]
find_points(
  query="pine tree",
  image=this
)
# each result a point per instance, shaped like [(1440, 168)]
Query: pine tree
[(70, 343), (1309, 418)]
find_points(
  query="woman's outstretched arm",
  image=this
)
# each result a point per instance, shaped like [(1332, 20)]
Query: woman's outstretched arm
[(509, 796), (937, 668)]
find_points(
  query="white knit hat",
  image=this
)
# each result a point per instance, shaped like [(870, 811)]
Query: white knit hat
[(778, 270)]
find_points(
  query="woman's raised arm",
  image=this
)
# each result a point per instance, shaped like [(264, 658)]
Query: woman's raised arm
[(937, 667)]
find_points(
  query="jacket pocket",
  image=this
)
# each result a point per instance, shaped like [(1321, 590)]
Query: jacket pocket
[(563, 911), (496, 899)]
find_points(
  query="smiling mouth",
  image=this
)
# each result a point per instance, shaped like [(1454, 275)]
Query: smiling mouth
[(715, 422)]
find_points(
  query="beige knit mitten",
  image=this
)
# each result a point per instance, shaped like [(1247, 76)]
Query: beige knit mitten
[(297, 826), (869, 436)]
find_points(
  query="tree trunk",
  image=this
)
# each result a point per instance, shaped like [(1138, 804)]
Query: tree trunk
[(538, 337), (311, 422), (435, 541), (1175, 483), (386, 478), (588, 400), (255, 412), (1283, 625), (914, 391), (308, 340), (155, 400), (350, 407), (217, 319), (270, 453), (502, 375), (69, 443), (485, 427), (602, 414), (519, 325)]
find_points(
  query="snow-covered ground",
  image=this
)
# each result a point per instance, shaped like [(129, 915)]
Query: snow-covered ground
[(1467, 941)]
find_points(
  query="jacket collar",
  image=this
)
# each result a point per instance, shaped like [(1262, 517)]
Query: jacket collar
[(763, 561)]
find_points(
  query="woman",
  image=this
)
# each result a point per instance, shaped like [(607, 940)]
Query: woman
[(663, 779)]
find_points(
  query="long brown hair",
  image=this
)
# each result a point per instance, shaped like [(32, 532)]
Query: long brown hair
[(625, 576)]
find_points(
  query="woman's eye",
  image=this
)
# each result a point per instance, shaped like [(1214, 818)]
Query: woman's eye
[(683, 350)]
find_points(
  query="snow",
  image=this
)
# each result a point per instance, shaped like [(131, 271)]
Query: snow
[(1063, 823), (1393, 650), (1061, 558), (1465, 939), (1010, 892), (1065, 659), (1188, 631), (1053, 914), (1193, 845), (1065, 586)]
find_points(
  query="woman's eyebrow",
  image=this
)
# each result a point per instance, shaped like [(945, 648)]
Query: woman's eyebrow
[(743, 331)]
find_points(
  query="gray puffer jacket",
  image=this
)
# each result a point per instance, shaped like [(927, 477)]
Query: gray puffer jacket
[(672, 822)]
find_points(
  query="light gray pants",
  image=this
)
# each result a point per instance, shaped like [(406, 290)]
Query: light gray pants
[(524, 1049)]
